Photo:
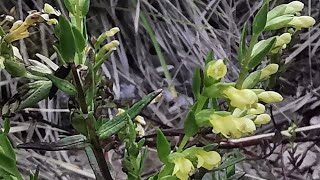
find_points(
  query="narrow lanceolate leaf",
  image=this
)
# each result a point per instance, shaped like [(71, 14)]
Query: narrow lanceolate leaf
[(196, 82), (64, 85), (35, 176), (79, 39), (70, 6), (260, 19), (85, 4), (67, 41), (264, 50), (209, 57), (36, 94), (67, 143), (242, 44), (190, 125), (114, 125), (163, 147), (8, 165), (231, 161)]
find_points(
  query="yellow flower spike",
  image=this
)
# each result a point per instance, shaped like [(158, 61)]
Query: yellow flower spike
[(270, 97), (262, 119), (241, 99), (216, 69), (258, 109), (139, 119), (281, 42), (294, 7), (302, 22), (50, 10), (183, 168), (207, 160), (268, 70)]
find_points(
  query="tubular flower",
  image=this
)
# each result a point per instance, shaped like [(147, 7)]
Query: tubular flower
[(270, 97), (259, 109), (207, 160), (231, 126), (269, 70), (294, 7), (281, 42), (302, 22), (140, 130), (183, 168), (216, 69), (241, 99), (262, 119), (50, 10), (19, 29)]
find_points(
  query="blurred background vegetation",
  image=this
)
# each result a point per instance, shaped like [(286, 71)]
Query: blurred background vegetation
[(185, 30)]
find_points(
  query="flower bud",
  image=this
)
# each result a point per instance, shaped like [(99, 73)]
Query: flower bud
[(38, 68), (269, 70), (294, 7), (139, 119), (278, 22), (262, 119), (281, 42), (270, 97), (15, 67), (302, 22), (216, 69), (258, 109), (50, 10)]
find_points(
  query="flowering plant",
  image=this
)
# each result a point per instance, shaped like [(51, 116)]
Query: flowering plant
[(244, 101)]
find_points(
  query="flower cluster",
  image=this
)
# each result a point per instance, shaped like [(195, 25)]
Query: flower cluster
[(184, 161)]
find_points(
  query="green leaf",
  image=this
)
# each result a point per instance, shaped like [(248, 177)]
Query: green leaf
[(230, 161), (6, 147), (9, 165), (60, 58), (242, 44), (6, 126), (190, 125), (78, 122), (251, 80), (169, 177), (36, 94), (85, 4), (263, 51), (196, 82), (64, 85), (201, 103), (260, 19), (215, 90), (202, 117), (67, 40), (79, 40), (279, 22), (70, 5), (68, 143), (166, 170), (118, 122), (163, 147), (209, 57)]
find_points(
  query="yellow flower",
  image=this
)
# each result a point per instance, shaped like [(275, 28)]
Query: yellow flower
[(269, 70), (183, 168), (231, 126), (281, 42), (139, 119), (262, 119), (294, 7), (140, 130), (258, 109), (270, 97), (241, 99), (216, 69), (302, 22), (207, 160), (50, 10), (120, 111)]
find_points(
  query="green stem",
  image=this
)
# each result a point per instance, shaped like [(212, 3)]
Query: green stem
[(94, 140), (244, 69), (183, 143)]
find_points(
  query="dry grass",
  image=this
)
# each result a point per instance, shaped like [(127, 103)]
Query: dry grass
[(186, 30)]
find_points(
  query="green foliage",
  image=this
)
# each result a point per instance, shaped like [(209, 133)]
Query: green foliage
[(163, 147)]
